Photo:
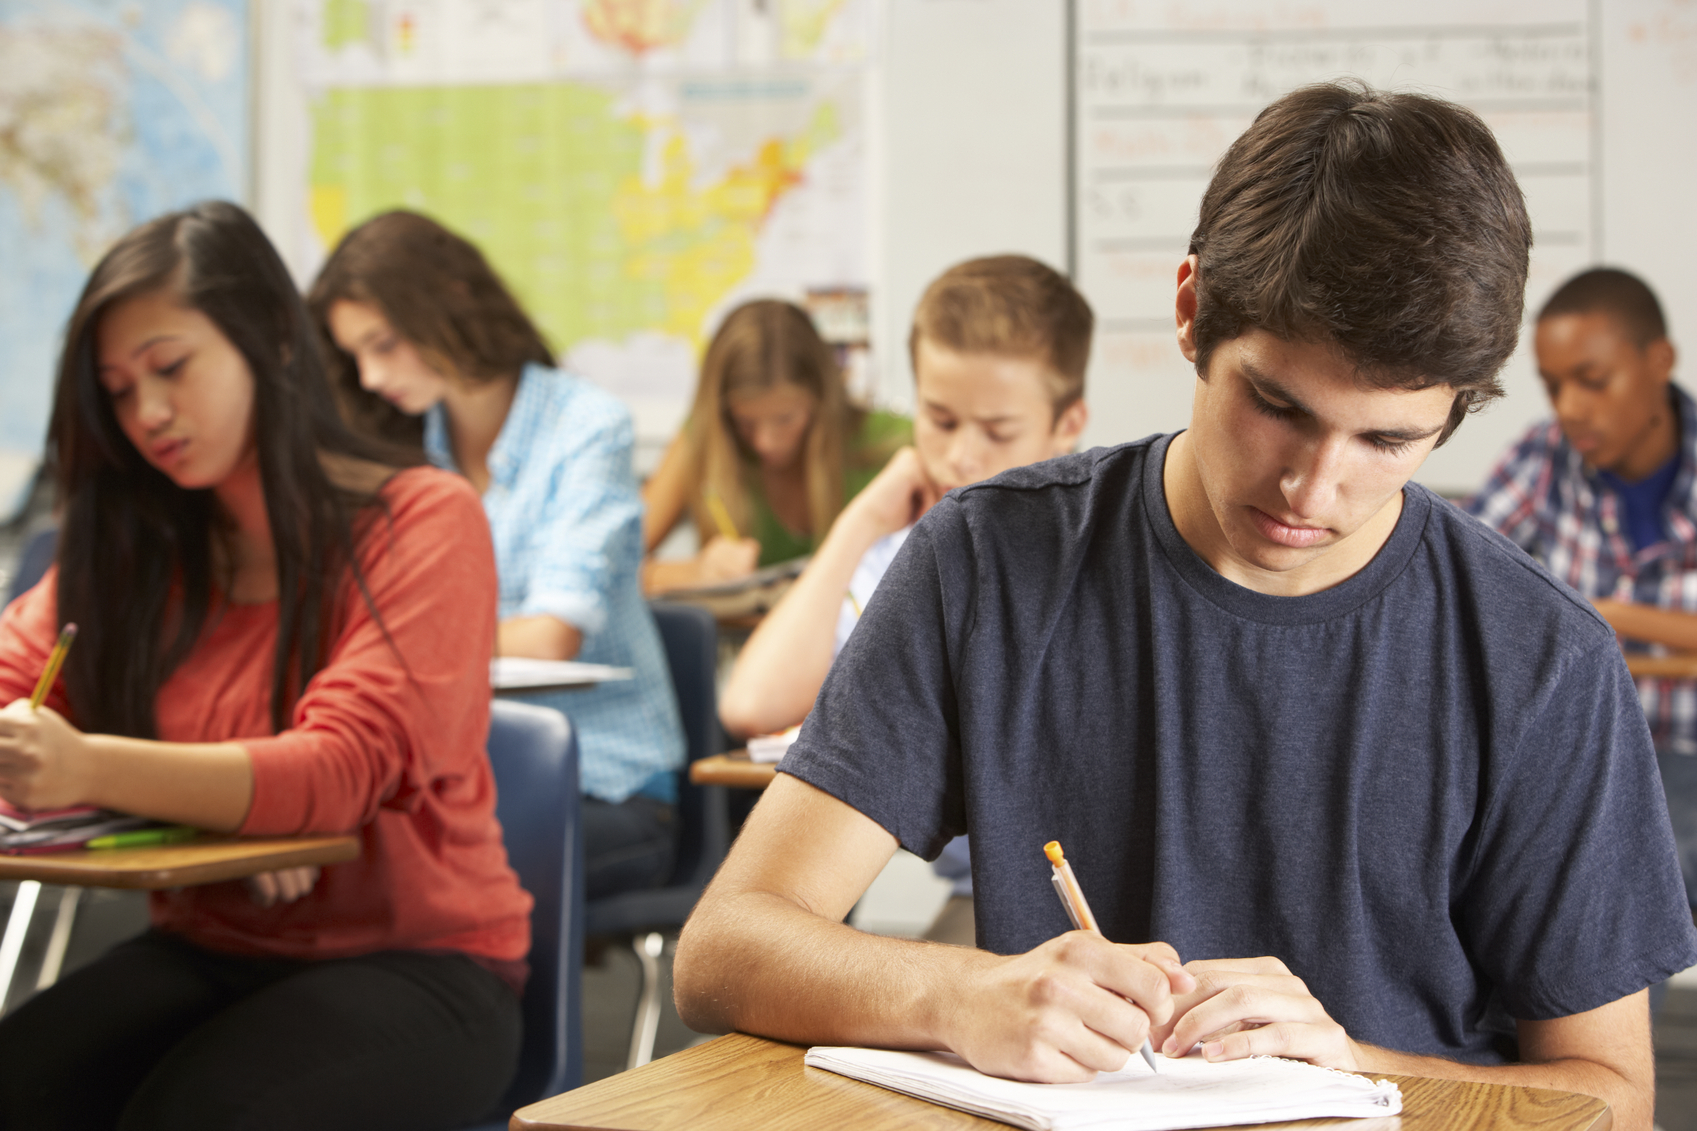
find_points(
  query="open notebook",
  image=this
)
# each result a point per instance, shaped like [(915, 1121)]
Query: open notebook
[(1187, 1093)]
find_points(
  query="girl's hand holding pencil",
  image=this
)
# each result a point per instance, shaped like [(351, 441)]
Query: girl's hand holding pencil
[(40, 758), (39, 750)]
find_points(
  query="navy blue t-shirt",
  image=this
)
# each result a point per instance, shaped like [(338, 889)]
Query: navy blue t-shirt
[(1429, 789)]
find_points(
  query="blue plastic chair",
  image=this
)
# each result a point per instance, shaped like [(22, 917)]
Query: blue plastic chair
[(534, 753), (692, 652), (32, 563)]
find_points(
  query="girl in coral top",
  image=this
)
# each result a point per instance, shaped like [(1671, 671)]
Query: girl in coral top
[(279, 634)]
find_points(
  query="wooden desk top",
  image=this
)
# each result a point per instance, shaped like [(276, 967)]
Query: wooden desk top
[(733, 769), (738, 1082), (1670, 667), (207, 860)]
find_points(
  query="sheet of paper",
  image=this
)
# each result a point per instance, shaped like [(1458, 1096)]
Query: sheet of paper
[(1186, 1093), (515, 673)]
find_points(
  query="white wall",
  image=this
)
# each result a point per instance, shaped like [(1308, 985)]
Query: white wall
[(972, 102)]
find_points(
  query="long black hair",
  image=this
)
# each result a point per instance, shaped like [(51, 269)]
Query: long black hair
[(135, 556)]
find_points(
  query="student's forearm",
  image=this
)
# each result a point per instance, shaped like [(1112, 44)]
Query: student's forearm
[(785, 973), (538, 637), (1671, 628), (779, 671), (205, 784), (1632, 1104), (665, 494)]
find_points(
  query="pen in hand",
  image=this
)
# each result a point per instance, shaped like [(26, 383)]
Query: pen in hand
[(1072, 898)]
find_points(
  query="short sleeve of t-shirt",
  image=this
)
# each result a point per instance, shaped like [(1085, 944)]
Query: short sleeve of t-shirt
[(898, 764)]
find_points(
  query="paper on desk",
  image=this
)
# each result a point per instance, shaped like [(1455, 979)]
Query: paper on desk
[(771, 747), (1187, 1093), (515, 673)]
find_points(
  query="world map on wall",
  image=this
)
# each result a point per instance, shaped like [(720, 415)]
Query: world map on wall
[(632, 168), (110, 113)]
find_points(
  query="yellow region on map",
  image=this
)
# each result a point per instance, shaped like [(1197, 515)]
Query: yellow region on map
[(548, 179)]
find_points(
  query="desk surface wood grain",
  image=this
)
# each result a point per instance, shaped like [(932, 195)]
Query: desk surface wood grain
[(741, 1083), (208, 860), (733, 769)]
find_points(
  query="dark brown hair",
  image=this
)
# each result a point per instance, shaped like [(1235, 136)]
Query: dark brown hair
[(1387, 224), (136, 551), (1619, 294), (759, 346), (437, 291), (1014, 306)]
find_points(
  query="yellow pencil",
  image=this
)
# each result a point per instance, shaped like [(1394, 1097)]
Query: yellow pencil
[(1072, 898), (721, 516), (55, 660)]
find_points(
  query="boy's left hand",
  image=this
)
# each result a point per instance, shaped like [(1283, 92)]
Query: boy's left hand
[(897, 496), (1255, 1007), (41, 758)]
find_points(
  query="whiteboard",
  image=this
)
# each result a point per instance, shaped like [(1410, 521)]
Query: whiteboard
[(1591, 106)]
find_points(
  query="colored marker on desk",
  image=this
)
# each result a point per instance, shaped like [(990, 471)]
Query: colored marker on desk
[(144, 838), (1072, 898)]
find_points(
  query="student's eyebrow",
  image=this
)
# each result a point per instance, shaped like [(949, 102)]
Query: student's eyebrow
[(1268, 387), (1005, 418), (144, 347)]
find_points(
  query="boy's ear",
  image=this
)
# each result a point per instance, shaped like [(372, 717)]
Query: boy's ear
[(1069, 426), (1662, 355), (1185, 307)]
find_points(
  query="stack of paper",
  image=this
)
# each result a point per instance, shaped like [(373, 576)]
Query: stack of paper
[(23, 832), (521, 673), (771, 747), (1186, 1093)]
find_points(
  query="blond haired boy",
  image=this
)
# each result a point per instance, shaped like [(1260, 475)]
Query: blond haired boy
[(999, 347)]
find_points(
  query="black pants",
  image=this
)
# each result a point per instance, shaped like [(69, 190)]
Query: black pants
[(628, 846), (158, 1033)]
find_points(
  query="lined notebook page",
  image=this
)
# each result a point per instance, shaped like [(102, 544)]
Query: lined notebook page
[(1186, 1093)]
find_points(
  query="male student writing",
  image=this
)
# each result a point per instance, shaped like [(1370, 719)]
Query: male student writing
[(1605, 496), (1377, 776)]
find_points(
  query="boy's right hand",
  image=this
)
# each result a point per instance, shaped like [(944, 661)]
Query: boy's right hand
[(896, 497), (1073, 1007), (726, 559)]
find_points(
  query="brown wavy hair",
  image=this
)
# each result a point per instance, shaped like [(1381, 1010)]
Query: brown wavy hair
[(438, 292), (760, 346)]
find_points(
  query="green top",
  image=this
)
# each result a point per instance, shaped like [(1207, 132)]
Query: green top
[(880, 435)]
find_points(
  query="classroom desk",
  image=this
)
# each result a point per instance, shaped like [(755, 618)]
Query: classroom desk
[(733, 769), (205, 860), (739, 1082), (1668, 667)]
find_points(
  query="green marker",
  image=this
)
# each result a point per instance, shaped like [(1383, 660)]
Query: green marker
[(141, 838)]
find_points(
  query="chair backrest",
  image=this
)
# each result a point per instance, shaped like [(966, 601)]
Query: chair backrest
[(32, 563), (691, 638), (534, 754)]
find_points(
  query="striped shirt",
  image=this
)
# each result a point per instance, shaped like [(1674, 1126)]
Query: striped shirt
[(1548, 501), (566, 518)]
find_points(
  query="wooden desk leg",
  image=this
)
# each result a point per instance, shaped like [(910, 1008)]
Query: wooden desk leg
[(12, 945), (54, 960)]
